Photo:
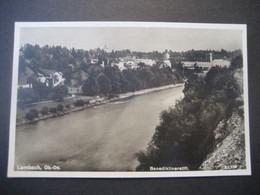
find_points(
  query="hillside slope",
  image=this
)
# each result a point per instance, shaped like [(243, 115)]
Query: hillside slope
[(230, 152)]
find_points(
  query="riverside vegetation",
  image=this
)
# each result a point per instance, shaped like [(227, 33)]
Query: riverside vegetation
[(186, 133)]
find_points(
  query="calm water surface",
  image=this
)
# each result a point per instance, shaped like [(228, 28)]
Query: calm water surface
[(104, 138)]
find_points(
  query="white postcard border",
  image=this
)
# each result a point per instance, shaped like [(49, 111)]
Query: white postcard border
[(153, 174)]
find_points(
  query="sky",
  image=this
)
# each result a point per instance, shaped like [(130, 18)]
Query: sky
[(134, 38)]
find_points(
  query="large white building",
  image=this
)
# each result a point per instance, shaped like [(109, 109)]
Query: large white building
[(206, 65)]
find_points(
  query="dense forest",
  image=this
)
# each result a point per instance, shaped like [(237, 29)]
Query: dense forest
[(185, 134)]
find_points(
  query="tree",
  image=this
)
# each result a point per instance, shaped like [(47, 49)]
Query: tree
[(79, 103), (45, 110), (29, 116), (104, 84), (41, 89), (27, 95), (53, 110), (32, 114), (28, 51), (59, 92), (114, 74), (219, 78), (194, 88), (22, 65), (237, 62), (60, 107), (90, 87)]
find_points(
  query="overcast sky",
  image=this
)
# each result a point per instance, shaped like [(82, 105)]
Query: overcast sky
[(133, 38)]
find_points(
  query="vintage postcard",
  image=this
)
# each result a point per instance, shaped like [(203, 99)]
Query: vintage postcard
[(129, 99)]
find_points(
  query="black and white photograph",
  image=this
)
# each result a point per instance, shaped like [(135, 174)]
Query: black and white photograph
[(129, 99)]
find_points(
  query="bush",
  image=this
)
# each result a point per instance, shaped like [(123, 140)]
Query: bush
[(29, 116), (79, 103), (53, 110), (33, 113), (67, 106), (45, 110), (60, 107)]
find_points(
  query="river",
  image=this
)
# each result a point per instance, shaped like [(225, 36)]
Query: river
[(102, 138)]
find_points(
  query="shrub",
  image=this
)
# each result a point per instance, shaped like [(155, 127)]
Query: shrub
[(53, 110), (79, 103), (60, 107), (67, 106), (33, 113), (45, 110), (29, 116)]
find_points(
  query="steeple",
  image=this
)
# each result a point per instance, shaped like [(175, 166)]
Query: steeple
[(105, 48)]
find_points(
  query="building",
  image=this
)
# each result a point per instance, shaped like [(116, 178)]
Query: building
[(221, 62), (166, 56), (26, 86), (166, 60), (206, 65), (57, 79), (52, 80)]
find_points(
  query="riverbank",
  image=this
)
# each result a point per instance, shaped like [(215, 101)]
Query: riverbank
[(89, 104)]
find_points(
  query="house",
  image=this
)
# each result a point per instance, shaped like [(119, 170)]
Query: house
[(94, 61), (57, 79), (26, 86), (51, 80)]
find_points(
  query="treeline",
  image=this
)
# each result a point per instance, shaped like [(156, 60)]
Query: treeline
[(186, 133), (51, 58), (59, 58), (111, 80), (34, 113)]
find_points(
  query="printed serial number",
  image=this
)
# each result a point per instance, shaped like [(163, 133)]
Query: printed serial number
[(230, 167)]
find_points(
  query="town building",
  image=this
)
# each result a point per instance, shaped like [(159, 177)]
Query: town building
[(52, 80), (25, 86), (206, 65), (167, 59)]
